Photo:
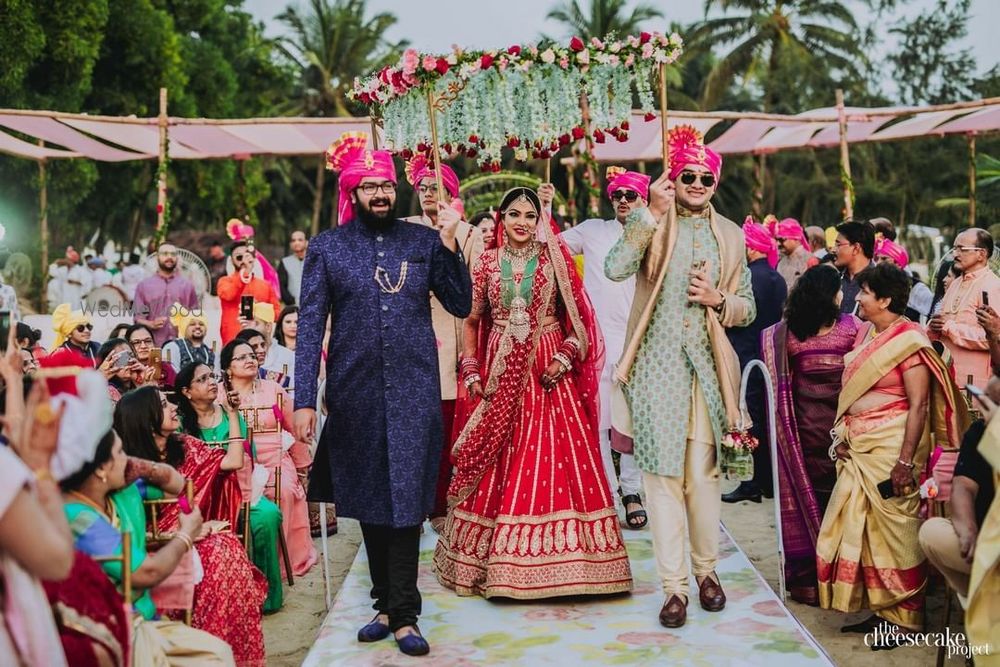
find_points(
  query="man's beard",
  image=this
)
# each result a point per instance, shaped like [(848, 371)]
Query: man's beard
[(167, 269), (373, 221)]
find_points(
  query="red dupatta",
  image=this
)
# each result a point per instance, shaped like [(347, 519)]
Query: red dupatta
[(216, 491)]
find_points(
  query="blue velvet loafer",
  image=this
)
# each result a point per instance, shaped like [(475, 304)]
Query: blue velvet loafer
[(413, 645), (374, 631)]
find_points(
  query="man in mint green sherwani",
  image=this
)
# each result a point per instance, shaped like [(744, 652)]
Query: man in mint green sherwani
[(679, 375)]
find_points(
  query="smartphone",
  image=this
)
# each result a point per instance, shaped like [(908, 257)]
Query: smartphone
[(156, 361), (885, 489), (986, 299), (4, 329), (246, 307), (123, 360)]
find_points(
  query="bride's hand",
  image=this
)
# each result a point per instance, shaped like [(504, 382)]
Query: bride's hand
[(553, 373), (477, 390)]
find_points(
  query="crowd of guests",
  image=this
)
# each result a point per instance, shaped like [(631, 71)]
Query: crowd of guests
[(100, 437), (880, 386), (190, 464)]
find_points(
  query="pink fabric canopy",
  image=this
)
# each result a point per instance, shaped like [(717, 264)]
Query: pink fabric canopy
[(116, 139)]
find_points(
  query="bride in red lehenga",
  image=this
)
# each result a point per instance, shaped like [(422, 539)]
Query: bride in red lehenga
[(530, 511)]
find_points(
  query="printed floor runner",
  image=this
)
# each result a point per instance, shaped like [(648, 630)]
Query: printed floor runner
[(754, 629)]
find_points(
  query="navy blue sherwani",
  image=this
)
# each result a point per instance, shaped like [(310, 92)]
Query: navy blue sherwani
[(379, 451)]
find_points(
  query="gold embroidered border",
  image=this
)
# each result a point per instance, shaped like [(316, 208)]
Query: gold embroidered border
[(70, 618), (558, 261)]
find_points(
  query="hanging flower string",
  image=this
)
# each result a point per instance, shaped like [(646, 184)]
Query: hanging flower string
[(546, 83)]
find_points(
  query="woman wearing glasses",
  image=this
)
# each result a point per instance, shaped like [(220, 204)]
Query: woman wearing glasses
[(241, 284), (213, 416), (156, 372), (267, 409), (73, 332)]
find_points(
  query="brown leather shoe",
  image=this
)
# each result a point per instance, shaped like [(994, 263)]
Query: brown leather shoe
[(710, 594), (674, 612)]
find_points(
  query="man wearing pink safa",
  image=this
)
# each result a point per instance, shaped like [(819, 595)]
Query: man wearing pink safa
[(679, 375), (447, 328), (627, 190)]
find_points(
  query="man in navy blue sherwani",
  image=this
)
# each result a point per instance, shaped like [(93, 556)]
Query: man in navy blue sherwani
[(379, 451)]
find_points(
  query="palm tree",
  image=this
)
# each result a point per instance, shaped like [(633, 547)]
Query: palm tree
[(606, 17), (332, 44), (773, 35)]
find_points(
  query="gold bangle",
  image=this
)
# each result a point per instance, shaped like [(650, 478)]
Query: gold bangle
[(42, 474), (186, 539)]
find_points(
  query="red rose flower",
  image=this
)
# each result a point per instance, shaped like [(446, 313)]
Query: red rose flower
[(447, 148), (513, 142), (576, 44), (577, 133), (625, 125), (649, 116), (622, 137), (614, 131), (598, 136), (442, 66), (644, 37), (564, 139), (471, 153), (473, 139), (406, 154), (514, 50), (495, 167), (486, 61)]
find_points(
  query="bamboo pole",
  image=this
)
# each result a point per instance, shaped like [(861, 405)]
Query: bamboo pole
[(664, 143), (43, 223), (845, 157), (548, 170), (435, 148), (593, 203), (374, 132), (161, 181), (972, 180)]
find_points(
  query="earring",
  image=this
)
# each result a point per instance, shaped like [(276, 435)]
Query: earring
[(103, 477)]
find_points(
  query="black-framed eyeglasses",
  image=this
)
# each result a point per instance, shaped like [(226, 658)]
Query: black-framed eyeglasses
[(966, 248), (426, 189), (628, 195), (80, 328), (387, 188), (142, 342), (780, 239), (689, 177)]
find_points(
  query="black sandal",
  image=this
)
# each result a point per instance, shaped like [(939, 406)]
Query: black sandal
[(636, 520)]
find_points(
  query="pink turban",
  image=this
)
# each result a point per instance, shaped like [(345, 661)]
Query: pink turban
[(687, 147), (419, 168), (620, 179), (759, 239), (789, 228), (893, 251), (350, 156)]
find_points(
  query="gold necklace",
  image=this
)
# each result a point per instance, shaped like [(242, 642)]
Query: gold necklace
[(960, 296), (108, 511), (385, 282), (876, 334)]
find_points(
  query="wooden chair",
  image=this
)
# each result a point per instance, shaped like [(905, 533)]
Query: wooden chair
[(252, 413), (126, 560), (155, 536)]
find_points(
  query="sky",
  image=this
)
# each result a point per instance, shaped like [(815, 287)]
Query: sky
[(434, 26)]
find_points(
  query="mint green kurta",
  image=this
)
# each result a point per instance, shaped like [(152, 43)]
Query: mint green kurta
[(675, 348)]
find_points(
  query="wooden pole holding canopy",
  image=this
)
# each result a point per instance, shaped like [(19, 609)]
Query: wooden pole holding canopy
[(374, 132), (432, 104), (161, 181), (972, 180), (663, 117), (43, 223), (845, 158)]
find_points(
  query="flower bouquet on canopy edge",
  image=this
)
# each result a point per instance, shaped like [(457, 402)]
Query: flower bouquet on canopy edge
[(546, 80), (736, 455)]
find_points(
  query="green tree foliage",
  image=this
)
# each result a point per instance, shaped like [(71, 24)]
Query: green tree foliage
[(603, 18), (928, 67)]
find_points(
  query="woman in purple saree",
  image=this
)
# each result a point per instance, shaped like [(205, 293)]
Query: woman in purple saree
[(804, 354)]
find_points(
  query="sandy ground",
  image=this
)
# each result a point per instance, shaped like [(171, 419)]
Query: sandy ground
[(289, 633)]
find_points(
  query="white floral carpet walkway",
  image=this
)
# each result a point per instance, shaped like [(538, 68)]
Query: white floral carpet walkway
[(754, 629)]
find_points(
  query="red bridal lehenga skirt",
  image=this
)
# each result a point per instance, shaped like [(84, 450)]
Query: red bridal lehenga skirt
[(538, 521)]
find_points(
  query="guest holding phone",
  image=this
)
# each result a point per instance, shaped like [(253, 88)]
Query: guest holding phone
[(958, 324), (898, 400), (240, 288)]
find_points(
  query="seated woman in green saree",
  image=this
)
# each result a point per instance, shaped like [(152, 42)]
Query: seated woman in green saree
[(101, 505), (212, 418)]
